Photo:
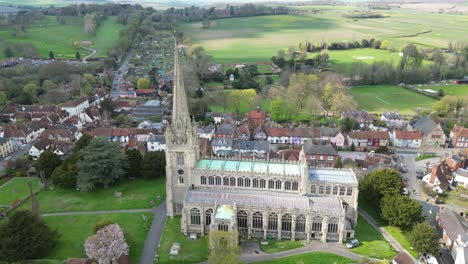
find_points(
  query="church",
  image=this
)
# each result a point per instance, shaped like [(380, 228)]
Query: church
[(258, 198)]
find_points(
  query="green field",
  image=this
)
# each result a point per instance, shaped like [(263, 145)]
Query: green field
[(343, 60), (16, 189), (280, 245), (74, 230), (373, 244), (191, 251), (381, 98), (136, 194), (310, 258), (255, 39), (50, 35), (452, 89)]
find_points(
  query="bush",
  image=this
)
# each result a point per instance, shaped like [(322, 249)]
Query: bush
[(101, 224)]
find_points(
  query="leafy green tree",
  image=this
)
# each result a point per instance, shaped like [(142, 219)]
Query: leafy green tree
[(47, 163), (135, 162), (82, 142), (380, 183), (154, 165), (223, 247), (77, 55), (348, 124), (8, 52), (424, 238), (25, 236), (440, 108), (101, 163), (143, 83), (51, 55), (401, 211), (3, 99), (278, 108)]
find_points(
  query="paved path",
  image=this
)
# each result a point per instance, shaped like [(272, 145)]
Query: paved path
[(93, 51), (154, 234), (395, 244), (99, 212)]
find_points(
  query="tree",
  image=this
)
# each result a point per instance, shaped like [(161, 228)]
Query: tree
[(8, 52), (143, 83), (223, 247), (107, 244), (90, 24), (77, 55), (154, 164), (424, 239), (440, 108), (135, 162), (401, 211), (47, 163), (3, 99), (380, 183), (348, 124), (278, 108), (107, 108), (51, 55), (82, 142), (238, 97), (101, 163), (25, 236)]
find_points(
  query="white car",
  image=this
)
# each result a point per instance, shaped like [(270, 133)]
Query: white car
[(405, 191), (431, 259)]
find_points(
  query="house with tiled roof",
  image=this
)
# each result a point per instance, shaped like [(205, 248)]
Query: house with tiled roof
[(369, 139), (362, 117), (454, 229), (146, 92), (433, 134), (393, 119), (293, 135), (222, 146), (76, 107), (260, 132), (459, 137), (403, 258), (321, 154), (225, 130), (250, 148), (38, 148), (440, 177), (243, 132), (156, 143), (406, 139), (333, 135), (207, 131), (6, 147), (257, 117), (461, 177)]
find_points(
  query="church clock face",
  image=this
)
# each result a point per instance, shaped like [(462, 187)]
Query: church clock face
[(181, 172)]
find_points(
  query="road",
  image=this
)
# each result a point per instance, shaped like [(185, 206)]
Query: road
[(119, 76), (154, 235)]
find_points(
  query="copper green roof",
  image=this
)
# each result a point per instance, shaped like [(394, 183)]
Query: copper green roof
[(251, 166)]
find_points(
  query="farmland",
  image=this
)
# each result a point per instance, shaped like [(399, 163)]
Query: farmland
[(380, 98), (48, 35), (453, 89), (255, 39)]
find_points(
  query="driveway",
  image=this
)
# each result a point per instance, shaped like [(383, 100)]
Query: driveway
[(154, 235)]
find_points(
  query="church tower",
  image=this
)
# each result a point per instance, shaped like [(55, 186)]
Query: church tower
[(181, 145)]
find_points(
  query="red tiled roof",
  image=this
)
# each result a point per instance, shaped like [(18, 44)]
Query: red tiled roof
[(382, 135), (460, 131), (256, 114), (145, 91), (408, 135)]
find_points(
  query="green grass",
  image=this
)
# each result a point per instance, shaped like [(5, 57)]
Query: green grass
[(50, 35), (136, 194), (264, 69), (452, 89), (74, 231), (425, 156), (310, 258), (16, 189), (381, 98), (255, 39), (278, 246), (191, 251), (399, 235), (343, 60), (454, 197), (373, 244)]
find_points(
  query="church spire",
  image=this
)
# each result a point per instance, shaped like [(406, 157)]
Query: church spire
[(179, 104)]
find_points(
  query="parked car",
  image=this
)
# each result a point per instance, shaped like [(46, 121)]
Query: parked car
[(431, 259), (353, 243), (405, 191), (404, 169), (420, 172), (419, 176)]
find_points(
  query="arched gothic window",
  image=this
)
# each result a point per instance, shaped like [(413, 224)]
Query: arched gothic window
[(194, 216), (273, 221), (342, 190), (247, 182), (203, 180), (300, 223), (262, 184), (271, 184), (278, 185), (335, 190), (232, 181), (218, 180), (255, 183), (286, 222), (225, 181), (287, 185), (181, 179), (211, 180), (349, 191), (208, 214), (328, 190), (257, 220), (317, 224), (240, 182), (242, 219), (321, 189), (333, 225), (295, 185), (313, 189)]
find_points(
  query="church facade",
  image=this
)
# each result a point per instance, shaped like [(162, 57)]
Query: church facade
[(257, 198)]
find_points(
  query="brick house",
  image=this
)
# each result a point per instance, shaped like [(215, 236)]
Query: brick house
[(369, 139), (321, 154), (459, 137), (433, 134)]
